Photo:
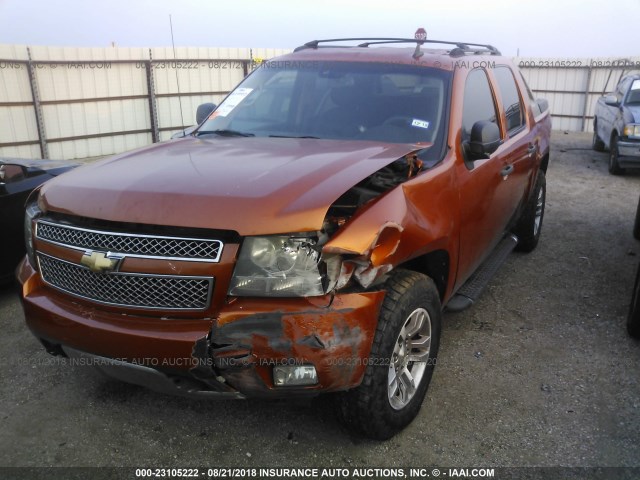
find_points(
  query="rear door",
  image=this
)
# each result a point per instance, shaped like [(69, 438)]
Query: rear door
[(520, 148)]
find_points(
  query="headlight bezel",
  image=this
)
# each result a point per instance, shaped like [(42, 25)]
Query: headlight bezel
[(632, 130), (33, 210), (279, 266)]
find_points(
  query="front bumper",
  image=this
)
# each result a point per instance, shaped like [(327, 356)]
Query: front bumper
[(629, 153), (232, 355), (146, 376)]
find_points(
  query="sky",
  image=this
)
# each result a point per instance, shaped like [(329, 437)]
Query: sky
[(530, 28)]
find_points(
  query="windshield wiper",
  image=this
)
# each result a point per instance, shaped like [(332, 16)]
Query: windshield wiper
[(227, 133), (293, 136)]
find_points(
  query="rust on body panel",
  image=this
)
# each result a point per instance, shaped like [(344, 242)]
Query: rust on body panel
[(251, 336)]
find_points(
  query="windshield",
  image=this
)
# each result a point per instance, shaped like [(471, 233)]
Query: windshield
[(634, 93), (337, 100)]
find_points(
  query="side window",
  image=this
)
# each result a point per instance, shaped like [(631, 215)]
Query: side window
[(478, 102), (510, 98), (633, 97)]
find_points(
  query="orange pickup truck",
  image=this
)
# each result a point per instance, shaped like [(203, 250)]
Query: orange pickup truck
[(306, 237)]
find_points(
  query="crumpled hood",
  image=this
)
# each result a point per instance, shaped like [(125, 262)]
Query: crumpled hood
[(250, 185)]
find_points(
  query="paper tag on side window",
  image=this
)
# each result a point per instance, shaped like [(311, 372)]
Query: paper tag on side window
[(232, 101), (420, 123)]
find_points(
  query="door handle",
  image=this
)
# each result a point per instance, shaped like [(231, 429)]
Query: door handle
[(506, 171), (532, 149)]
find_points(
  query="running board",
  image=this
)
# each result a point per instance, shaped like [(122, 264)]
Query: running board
[(473, 288)]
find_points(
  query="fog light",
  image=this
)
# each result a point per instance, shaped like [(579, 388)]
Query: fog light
[(286, 375)]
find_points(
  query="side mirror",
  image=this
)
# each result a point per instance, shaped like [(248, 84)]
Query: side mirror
[(11, 173), (485, 139), (204, 111), (611, 100), (543, 104)]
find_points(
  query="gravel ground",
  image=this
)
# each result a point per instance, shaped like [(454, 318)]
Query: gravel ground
[(540, 372)]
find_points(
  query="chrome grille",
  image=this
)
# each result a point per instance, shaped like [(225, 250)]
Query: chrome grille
[(134, 245), (127, 289)]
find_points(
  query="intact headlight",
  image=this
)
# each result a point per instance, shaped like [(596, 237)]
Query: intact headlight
[(278, 266), (32, 212), (632, 130)]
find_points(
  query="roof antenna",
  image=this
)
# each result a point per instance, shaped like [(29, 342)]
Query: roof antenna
[(421, 34), (173, 44)]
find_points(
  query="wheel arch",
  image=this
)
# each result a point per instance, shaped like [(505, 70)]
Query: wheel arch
[(544, 163), (435, 265), (614, 133)]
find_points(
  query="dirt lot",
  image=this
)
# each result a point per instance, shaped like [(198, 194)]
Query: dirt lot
[(540, 372)]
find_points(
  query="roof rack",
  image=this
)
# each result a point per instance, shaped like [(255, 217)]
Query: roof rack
[(462, 48)]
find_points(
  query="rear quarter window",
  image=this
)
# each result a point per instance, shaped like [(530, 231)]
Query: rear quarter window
[(535, 108)]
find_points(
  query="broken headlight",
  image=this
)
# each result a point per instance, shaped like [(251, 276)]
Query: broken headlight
[(278, 266)]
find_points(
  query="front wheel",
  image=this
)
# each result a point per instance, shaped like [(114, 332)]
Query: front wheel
[(596, 143), (614, 165), (529, 225), (402, 359)]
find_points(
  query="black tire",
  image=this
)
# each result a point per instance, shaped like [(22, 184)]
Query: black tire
[(529, 225), (614, 166), (596, 143), (633, 320), (636, 224), (367, 410)]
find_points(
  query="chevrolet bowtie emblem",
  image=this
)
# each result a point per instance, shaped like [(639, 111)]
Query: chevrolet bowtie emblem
[(100, 262)]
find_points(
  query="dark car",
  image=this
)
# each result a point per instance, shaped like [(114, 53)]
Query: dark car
[(18, 178), (616, 125)]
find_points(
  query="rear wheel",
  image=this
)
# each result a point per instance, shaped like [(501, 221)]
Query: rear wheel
[(614, 166), (529, 226), (402, 359)]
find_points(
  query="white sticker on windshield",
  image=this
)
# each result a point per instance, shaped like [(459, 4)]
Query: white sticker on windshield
[(420, 123), (635, 85), (232, 101)]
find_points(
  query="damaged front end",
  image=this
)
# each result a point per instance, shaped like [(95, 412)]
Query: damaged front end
[(308, 264), (303, 309), (291, 314), (367, 266), (271, 347)]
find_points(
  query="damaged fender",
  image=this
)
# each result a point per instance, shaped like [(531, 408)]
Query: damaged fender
[(384, 235)]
